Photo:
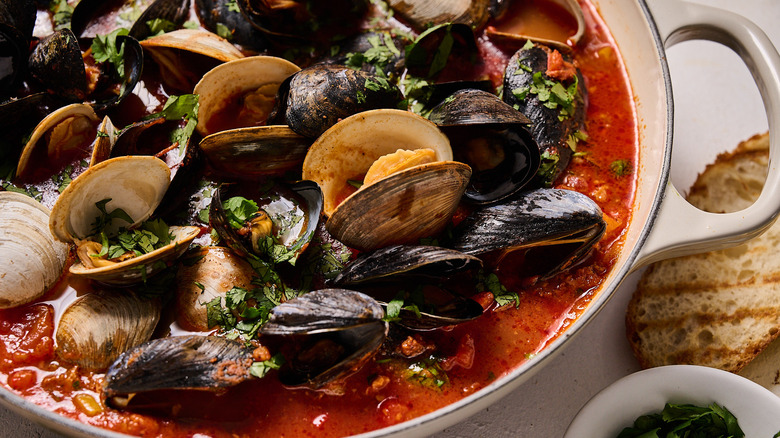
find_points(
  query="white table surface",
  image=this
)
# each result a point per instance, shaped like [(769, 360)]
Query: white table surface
[(716, 106)]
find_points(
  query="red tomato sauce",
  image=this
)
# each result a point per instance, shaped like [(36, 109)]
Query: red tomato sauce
[(384, 392)]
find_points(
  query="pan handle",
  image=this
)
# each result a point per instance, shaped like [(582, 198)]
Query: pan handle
[(680, 228)]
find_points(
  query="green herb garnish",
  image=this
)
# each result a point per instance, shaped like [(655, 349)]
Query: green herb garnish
[(491, 283), (621, 167), (105, 49), (260, 369), (239, 210), (184, 107), (686, 421)]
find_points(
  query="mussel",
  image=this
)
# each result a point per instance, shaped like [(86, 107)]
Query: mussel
[(551, 229), (492, 138), (543, 84), (17, 20), (315, 98)]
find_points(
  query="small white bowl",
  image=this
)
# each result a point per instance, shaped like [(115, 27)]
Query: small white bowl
[(617, 406)]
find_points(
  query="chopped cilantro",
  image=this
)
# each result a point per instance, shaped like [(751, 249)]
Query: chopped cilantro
[(105, 49), (244, 310), (621, 167), (491, 283), (260, 369), (427, 373), (355, 184), (189, 24), (528, 45), (106, 219), (184, 107), (159, 26), (232, 6), (361, 96), (62, 14), (417, 55), (413, 302), (224, 31), (548, 168), (238, 210)]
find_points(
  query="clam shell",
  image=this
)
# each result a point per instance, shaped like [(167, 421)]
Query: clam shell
[(31, 260), (136, 184), (66, 114), (218, 270), (137, 269), (517, 40), (401, 208), (423, 13), (255, 152), (235, 77), (348, 149), (98, 327), (196, 41)]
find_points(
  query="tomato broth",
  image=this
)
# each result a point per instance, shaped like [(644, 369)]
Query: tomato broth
[(387, 390)]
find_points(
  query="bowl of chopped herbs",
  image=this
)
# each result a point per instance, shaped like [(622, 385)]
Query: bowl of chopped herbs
[(679, 401)]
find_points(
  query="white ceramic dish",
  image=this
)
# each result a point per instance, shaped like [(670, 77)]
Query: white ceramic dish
[(617, 406)]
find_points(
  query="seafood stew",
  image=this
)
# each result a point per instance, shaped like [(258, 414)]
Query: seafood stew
[(353, 221)]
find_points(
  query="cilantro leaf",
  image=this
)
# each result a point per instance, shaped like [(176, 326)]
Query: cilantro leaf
[(238, 210), (105, 49), (260, 369), (184, 107)]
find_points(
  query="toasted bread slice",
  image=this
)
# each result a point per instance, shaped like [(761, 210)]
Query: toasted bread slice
[(721, 308)]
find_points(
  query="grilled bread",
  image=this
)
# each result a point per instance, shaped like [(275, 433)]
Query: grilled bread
[(721, 308)]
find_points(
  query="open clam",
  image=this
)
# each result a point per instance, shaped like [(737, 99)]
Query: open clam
[(184, 55), (133, 184), (424, 13), (555, 23), (31, 260), (235, 101), (414, 191)]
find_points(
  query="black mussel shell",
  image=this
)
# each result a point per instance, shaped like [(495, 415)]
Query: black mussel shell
[(300, 20), (56, 62), (106, 94), (429, 53), (400, 262), (553, 130), (311, 195), (492, 138), (432, 95), (174, 12), (558, 227), (315, 98), (351, 52), (217, 13), (335, 331), (17, 20), (181, 362), (456, 311)]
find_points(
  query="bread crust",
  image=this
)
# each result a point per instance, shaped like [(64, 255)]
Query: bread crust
[(721, 308)]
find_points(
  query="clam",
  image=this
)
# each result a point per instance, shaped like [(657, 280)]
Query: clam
[(64, 136), (558, 121), (31, 260), (315, 98), (240, 93), (555, 23), (96, 328), (551, 229), (215, 271), (333, 331), (184, 55), (424, 13), (134, 184), (414, 201), (282, 227), (492, 138)]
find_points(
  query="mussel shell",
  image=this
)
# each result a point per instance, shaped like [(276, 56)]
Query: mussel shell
[(538, 218), (298, 21), (398, 262), (217, 270), (133, 59), (475, 116), (312, 206), (98, 327), (17, 20), (31, 260), (349, 320), (173, 11), (457, 311), (249, 153), (56, 62), (315, 98), (550, 133), (181, 362), (214, 13), (423, 58)]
